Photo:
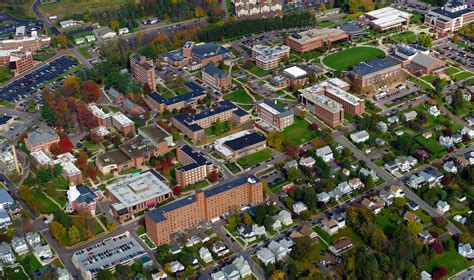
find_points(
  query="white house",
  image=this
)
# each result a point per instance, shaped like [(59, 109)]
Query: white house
[(381, 126), (299, 207), (32, 238), (259, 230), (434, 111), (90, 38), (276, 225), (123, 31), (176, 266), (246, 233), (307, 162), (359, 137), (79, 41), (392, 120), (6, 254), (410, 116), (450, 167), (465, 250), (279, 251), (5, 220), (323, 197), (5, 199), (446, 141), (266, 256), (285, 217), (239, 268), (468, 131), (442, 206), (70, 22), (460, 219), (325, 153), (19, 245), (205, 255), (43, 252)]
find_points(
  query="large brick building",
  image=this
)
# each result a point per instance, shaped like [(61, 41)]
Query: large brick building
[(269, 57), (143, 70), (195, 55), (193, 126), (152, 141), (450, 18), (336, 90), (117, 120), (417, 59), (257, 8), (24, 42), (309, 40), (273, 114), (194, 168), (325, 108), (185, 213), (216, 77), (240, 144), (41, 139), (160, 104), (365, 76), (16, 61), (136, 194)]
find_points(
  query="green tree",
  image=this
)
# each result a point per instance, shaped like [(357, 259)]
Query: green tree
[(414, 227), (247, 219), (465, 237), (399, 202), (278, 275), (353, 6), (105, 274), (218, 127), (276, 140), (293, 174), (378, 240), (74, 235)]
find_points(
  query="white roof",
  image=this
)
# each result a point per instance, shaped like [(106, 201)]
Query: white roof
[(326, 150), (41, 157), (295, 71), (221, 148), (122, 119), (387, 12)]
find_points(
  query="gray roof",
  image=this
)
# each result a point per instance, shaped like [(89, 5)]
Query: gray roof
[(212, 70), (40, 136), (375, 65), (424, 59), (5, 197)]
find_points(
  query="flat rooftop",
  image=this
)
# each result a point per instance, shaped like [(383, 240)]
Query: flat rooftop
[(138, 189), (317, 34), (121, 249), (295, 72)]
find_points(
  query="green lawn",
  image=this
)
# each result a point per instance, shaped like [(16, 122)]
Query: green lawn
[(83, 51), (255, 158), (7, 104), (409, 36), (431, 144), (299, 132), (324, 23), (66, 8), (461, 76), (347, 58), (30, 263), (148, 242), (5, 74), (428, 78), (47, 205), (140, 230), (258, 71), (387, 221), (232, 167), (452, 70), (451, 260), (239, 96), (14, 273)]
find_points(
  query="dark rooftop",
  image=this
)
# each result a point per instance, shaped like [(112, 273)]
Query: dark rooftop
[(113, 157), (4, 119), (198, 158), (196, 91), (244, 141), (230, 185), (375, 65), (212, 70), (449, 14), (208, 50)]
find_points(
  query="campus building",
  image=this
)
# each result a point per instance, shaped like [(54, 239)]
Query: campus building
[(267, 57), (449, 18), (136, 194), (257, 8), (309, 40), (365, 76), (160, 104), (205, 205), (70, 172), (195, 55), (240, 144), (40, 139), (17, 61), (6, 122), (336, 90), (216, 77), (417, 60), (143, 70), (117, 120), (22, 41), (194, 168), (388, 18), (325, 108), (193, 126), (152, 141), (273, 114)]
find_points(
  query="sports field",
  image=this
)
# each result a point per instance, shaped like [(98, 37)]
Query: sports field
[(345, 59)]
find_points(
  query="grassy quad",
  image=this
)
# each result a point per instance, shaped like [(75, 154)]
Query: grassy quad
[(462, 75), (409, 36), (299, 132), (255, 158), (5, 74), (347, 58), (65, 8), (239, 96)]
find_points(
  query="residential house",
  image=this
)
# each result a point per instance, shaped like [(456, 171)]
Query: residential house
[(259, 230), (450, 167), (280, 249), (465, 250), (43, 252), (443, 206), (266, 256), (285, 217), (299, 207), (325, 153), (434, 111), (307, 162), (401, 164), (323, 197), (5, 220), (333, 224), (392, 120), (341, 246), (6, 254), (446, 141), (366, 172), (381, 126), (5, 199), (359, 137), (205, 255), (413, 206), (239, 268), (219, 248), (468, 131), (426, 237), (19, 245), (290, 164), (309, 232), (375, 204), (411, 217), (246, 233), (460, 219), (457, 138), (32, 238), (410, 116), (176, 266)]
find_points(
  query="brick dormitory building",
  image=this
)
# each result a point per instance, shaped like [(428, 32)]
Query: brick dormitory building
[(195, 56), (216, 77), (195, 166), (25, 42), (152, 140), (309, 40), (185, 213), (193, 126), (143, 70), (17, 61), (365, 76), (160, 104)]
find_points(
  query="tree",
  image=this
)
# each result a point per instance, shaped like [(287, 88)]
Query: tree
[(353, 6), (438, 247), (414, 227), (247, 64), (368, 5), (293, 174), (90, 91), (218, 127), (278, 275), (369, 182), (465, 237), (199, 12), (440, 221), (59, 232), (378, 239), (73, 234), (247, 219), (425, 40), (91, 172), (115, 25), (276, 140), (59, 41), (399, 202), (105, 274)]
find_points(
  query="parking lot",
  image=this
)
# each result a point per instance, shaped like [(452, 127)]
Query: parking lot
[(28, 84), (457, 54)]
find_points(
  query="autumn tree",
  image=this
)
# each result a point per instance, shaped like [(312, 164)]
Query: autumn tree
[(90, 92), (278, 275), (59, 233), (199, 12), (115, 25), (368, 5), (415, 227), (247, 219), (353, 6), (378, 240)]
